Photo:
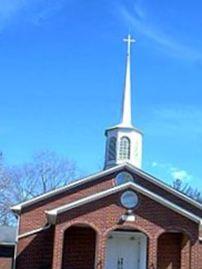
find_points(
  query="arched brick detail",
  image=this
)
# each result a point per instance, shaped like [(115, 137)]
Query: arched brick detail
[(79, 248), (174, 250), (59, 244), (76, 223), (104, 215), (127, 226), (176, 229)]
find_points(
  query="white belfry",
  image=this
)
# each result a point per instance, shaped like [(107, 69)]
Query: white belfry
[(124, 141), (126, 106)]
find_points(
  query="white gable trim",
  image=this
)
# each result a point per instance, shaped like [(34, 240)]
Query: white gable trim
[(2, 243), (163, 185), (18, 208), (52, 214)]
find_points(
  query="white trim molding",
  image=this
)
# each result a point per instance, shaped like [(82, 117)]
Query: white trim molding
[(17, 208), (16, 245), (8, 244), (200, 231), (52, 214), (41, 229)]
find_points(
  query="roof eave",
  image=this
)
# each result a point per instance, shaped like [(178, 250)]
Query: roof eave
[(7, 243), (157, 198), (17, 208)]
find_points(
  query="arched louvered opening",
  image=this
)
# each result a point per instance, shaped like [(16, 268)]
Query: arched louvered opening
[(124, 152), (111, 156)]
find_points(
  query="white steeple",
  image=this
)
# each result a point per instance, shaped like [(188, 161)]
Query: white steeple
[(126, 106), (124, 142)]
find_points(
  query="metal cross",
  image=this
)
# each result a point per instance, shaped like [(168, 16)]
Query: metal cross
[(129, 40)]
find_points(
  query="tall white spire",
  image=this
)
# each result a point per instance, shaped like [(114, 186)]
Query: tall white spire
[(126, 106), (124, 142)]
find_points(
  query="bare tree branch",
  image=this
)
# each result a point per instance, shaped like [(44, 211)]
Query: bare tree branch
[(46, 171), (190, 191)]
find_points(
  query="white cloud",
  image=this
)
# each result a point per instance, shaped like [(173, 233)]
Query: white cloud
[(154, 164), (171, 172), (180, 174), (136, 16)]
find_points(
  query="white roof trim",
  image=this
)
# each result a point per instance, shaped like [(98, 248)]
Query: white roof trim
[(163, 185), (52, 214), (17, 208), (2, 243)]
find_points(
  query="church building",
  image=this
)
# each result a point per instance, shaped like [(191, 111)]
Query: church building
[(118, 218)]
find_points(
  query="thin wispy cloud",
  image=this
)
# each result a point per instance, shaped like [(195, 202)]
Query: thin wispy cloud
[(181, 128), (136, 17), (9, 9), (175, 121), (172, 172), (32, 11), (181, 174)]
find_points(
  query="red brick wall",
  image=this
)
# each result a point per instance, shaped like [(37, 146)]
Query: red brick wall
[(168, 195), (6, 256), (151, 218), (169, 251), (5, 263), (104, 214), (36, 251), (199, 256), (35, 213), (34, 216), (79, 248)]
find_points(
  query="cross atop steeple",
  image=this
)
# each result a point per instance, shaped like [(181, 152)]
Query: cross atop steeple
[(124, 141), (129, 40), (126, 106)]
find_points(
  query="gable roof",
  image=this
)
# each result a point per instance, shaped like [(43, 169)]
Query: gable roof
[(17, 208), (52, 214)]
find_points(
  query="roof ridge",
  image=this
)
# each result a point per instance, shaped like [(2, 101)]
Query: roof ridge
[(52, 214), (17, 208)]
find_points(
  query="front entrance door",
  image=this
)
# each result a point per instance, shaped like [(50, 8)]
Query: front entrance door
[(125, 251)]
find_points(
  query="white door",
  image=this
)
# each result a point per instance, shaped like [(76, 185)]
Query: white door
[(123, 251)]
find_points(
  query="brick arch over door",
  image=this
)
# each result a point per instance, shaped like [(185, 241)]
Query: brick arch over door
[(174, 251), (79, 247)]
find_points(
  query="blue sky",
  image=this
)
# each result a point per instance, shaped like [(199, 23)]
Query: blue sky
[(62, 72)]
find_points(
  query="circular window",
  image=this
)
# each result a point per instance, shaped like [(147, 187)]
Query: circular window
[(124, 177), (129, 199)]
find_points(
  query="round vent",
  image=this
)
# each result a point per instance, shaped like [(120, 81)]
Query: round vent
[(124, 177), (129, 199)]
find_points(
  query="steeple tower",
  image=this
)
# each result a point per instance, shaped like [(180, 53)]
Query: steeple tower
[(126, 106), (124, 141)]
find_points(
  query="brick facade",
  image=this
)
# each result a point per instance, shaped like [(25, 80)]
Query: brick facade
[(5, 263), (169, 244), (82, 255), (169, 234), (6, 256)]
